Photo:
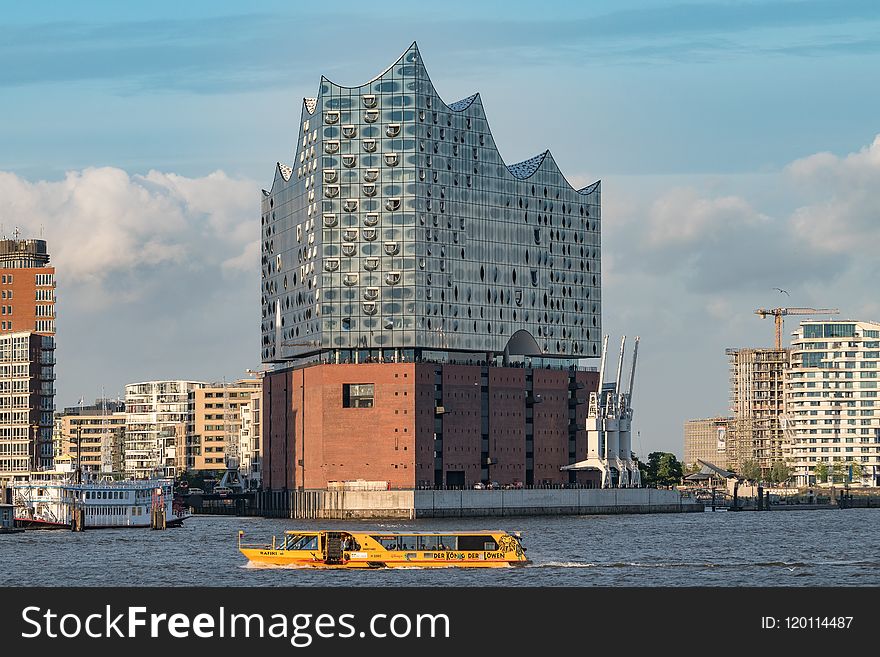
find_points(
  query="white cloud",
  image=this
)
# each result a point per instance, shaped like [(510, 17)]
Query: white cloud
[(102, 223), (684, 216), (844, 215)]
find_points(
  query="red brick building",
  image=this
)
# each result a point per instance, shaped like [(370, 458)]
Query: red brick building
[(423, 424)]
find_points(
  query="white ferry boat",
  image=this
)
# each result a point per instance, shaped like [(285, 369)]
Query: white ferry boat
[(54, 499)]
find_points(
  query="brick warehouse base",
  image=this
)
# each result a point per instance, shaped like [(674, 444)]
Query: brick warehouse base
[(401, 504), (423, 424)]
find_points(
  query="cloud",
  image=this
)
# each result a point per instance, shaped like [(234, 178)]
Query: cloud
[(844, 217), (689, 264), (104, 225)]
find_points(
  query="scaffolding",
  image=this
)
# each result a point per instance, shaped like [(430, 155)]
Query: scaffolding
[(757, 405)]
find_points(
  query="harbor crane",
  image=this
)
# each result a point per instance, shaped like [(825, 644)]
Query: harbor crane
[(779, 313)]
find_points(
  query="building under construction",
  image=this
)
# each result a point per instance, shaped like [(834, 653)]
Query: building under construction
[(757, 406)]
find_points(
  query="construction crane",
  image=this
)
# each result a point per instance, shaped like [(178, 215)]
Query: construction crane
[(779, 313)]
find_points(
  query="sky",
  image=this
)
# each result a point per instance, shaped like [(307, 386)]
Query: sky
[(738, 144)]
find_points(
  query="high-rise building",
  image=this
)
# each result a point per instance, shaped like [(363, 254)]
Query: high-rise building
[(444, 297), (706, 440), (27, 356), (27, 287), (214, 443), (832, 408), (755, 431), (158, 414), (27, 394)]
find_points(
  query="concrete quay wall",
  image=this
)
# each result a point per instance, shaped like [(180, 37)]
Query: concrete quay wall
[(408, 504)]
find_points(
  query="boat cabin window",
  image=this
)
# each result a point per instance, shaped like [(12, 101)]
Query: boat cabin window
[(387, 542), (478, 542), (407, 542), (429, 543), (300, 542), (448, 543)]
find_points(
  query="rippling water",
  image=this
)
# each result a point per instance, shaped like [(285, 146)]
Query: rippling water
[(795, 548)]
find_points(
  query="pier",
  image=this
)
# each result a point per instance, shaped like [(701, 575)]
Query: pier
[(411, 504)]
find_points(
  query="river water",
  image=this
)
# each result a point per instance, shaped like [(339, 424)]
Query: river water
[(782, 548)]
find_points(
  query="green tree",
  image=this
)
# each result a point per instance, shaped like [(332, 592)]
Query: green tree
[(750, 470), (779, 472), (856, 470), (693, 468), (821, 472), (669, 470), (838, 473)]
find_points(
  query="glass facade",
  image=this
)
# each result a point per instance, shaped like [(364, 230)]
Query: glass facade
[(400, 228)]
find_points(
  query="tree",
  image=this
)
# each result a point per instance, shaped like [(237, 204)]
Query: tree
[(855, 471), (838, 473), (662, 469), (669, 471), (779, 472), (821, 472), (750, 470), (693, 468)]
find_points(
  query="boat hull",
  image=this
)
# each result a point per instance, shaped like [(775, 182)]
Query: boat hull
[(281, 558), (37, 523)]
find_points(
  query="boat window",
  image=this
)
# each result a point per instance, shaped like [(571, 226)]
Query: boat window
[(407, 542), (387, 542), (429, 542), (297, 542), (480, 542), (448, 542)]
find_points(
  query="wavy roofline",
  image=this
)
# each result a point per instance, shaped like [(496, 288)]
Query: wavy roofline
[(455, 107), (324, 78)]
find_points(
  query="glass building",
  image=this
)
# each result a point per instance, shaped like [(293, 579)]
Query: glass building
[(400, 233)]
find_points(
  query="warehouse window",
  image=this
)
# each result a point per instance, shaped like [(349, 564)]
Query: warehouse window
[(357, 395)]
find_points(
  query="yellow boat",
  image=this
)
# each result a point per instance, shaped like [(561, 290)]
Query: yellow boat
[(360, 549)]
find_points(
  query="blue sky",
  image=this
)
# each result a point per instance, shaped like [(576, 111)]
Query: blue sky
[(137, 135)]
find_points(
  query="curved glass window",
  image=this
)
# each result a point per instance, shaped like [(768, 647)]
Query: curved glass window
[(392, 159), (349, 249), (371, 175), (371, 264), (392, 277), (392, 130), (331, 146), (350, 205), (349, 131), (369, 100), (349, 161), (331, 117), (371, 219), (330, 220), (350, 279), (392, 204), (392, 248), (331, 264), (371, 116)]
